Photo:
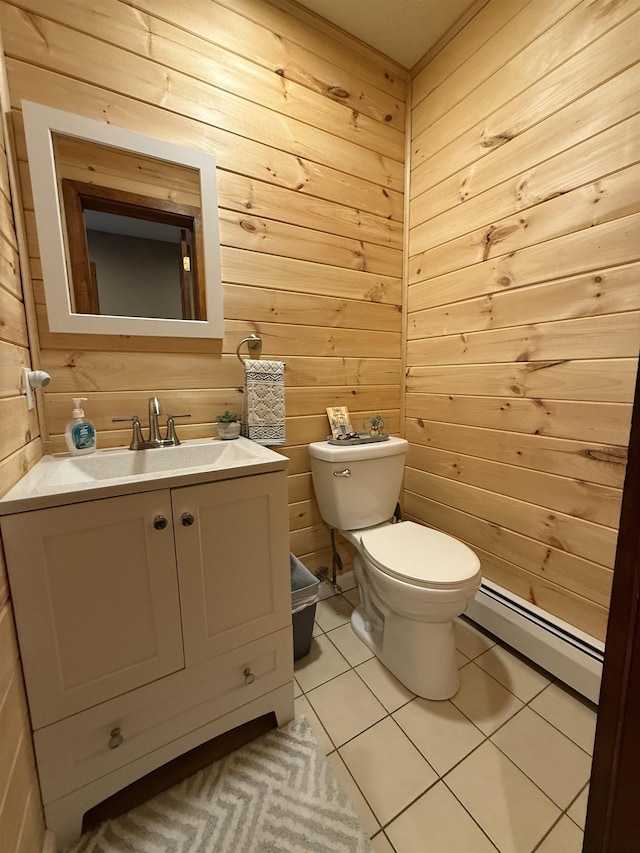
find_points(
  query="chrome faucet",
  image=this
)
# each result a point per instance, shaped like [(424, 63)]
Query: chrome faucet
[(155, 439), (154, 430)]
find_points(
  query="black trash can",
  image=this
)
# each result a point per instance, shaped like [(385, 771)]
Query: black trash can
[(304, 596)]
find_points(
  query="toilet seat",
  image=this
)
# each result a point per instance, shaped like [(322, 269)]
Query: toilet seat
[(421, 556)]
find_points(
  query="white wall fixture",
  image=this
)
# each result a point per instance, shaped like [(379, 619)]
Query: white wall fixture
[(33, 379), (562, 649)]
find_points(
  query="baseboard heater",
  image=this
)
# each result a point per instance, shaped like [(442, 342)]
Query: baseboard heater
[(564, 651)]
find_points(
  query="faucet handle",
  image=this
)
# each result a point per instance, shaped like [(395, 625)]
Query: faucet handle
[(136, 437), (172, 436)]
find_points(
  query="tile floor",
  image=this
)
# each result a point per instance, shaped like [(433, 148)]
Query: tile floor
[(502, 766)]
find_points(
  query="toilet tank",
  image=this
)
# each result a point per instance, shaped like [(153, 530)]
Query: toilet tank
[(357, 485)]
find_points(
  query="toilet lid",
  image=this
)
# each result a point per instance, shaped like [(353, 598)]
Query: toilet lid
[(418, 554)]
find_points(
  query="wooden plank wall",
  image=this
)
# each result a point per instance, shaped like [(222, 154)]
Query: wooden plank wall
[(523, 294), (308, 132), (21, 823)]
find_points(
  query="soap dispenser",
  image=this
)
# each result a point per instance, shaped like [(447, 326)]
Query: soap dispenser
[(79, 434)]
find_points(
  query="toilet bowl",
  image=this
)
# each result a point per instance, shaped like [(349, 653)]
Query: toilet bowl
[(413, 581)]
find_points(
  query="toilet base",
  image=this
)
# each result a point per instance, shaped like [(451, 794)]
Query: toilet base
[(421, 655)]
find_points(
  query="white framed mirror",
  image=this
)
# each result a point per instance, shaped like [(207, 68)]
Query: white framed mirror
[(127, 228)]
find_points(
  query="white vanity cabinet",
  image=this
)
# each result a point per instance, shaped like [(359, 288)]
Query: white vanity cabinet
[(148, 623), (95, 592)]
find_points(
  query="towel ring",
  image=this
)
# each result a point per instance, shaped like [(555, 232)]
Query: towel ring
[(254, 342)]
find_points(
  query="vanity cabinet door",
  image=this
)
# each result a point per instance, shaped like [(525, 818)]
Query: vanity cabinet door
[(232, 543), (95, 593)]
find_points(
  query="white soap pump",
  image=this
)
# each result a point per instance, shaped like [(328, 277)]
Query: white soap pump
[(80, 434)]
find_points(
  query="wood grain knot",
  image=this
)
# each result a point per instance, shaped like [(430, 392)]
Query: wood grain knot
[(337, 92), (613, 455), (496, 140)]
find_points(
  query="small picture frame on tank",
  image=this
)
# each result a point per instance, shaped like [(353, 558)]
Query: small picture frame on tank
[(340, 422)]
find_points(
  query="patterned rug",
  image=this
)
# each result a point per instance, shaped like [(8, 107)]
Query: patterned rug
[(277, 794)]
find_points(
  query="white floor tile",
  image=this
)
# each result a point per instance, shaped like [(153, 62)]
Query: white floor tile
[(507, 805), (512, 672), (375, 731), (381, 844), (353, 596), (437, 823), (565, 837), (333, 612), (545, 755), (440, 731), (349, 645), (578, 809), (387, 768), (322, 663), (304, 709), (574, 717), (481, 698), (345, 706), (384, 685), (367, 817), (469, 640)]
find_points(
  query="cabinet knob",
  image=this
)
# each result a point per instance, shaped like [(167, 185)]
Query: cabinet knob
[(249, 676), (187, 519), (160, 522), (116, 739)]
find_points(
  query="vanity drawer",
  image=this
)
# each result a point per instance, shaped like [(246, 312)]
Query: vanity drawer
[(76, 750)]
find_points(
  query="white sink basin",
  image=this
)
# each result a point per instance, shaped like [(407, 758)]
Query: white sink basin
[(56, 480), (114, 464)]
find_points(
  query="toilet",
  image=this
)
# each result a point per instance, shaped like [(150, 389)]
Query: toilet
[(413, 581)]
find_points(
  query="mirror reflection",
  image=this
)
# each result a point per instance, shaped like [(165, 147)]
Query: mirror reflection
[(136, 268), (132, 232)]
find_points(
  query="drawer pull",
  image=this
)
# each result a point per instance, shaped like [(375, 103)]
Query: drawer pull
[(249, 676), (187, 519), (116, 739), (160, 522)]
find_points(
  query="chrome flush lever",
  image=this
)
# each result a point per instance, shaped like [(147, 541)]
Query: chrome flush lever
[(345, 473)]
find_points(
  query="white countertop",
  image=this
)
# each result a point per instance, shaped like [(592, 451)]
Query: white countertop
[(64, 479)]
